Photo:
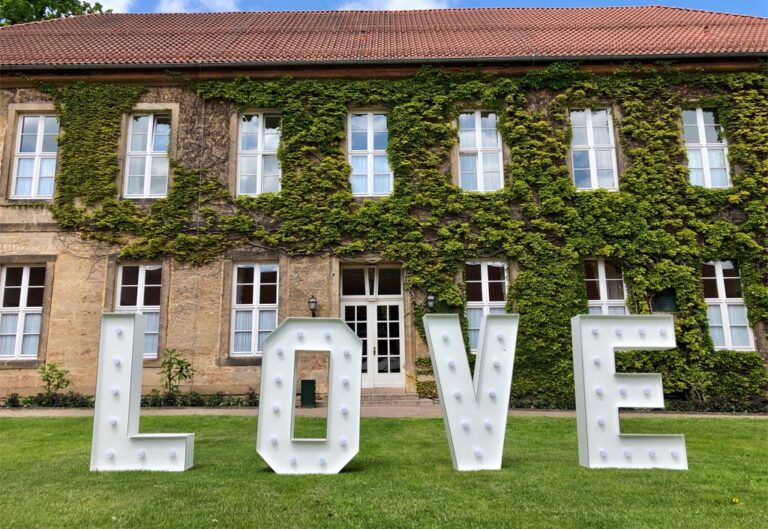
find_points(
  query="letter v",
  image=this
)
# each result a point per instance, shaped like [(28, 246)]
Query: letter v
[(474, 411)]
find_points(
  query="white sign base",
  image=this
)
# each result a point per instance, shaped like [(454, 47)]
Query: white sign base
[(600, 392), (474, 411), (117, 445), (274, 440)]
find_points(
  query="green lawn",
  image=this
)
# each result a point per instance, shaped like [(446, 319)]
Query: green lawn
[(401, 478)]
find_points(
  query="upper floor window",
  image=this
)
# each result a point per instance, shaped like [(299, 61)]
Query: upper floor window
[(254, 311), (486, 284), (21, 291), (480, 156), (605, 287), (706, 148), (138, 290), (368, 139), (593, 152), (258, 167), (147, 156), (34, 165), (726, 311)]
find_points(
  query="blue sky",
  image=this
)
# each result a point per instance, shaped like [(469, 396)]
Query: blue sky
[(746, 7)]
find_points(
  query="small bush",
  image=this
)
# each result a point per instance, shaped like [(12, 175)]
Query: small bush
[(174, 370), (54, 378), (12, 401)]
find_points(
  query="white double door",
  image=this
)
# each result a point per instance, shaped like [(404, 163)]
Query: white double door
[(379, 324)]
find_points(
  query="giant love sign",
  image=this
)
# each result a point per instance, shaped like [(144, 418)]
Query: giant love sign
[(474, 408)]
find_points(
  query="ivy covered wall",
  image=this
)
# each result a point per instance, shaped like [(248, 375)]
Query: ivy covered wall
[(657, 227)]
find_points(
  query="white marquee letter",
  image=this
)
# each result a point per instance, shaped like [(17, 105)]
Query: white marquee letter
[(274, 440), (117, 445), (600, 392), (474, 411)]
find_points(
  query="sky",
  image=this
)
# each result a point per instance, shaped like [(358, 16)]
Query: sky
[(745, 7)]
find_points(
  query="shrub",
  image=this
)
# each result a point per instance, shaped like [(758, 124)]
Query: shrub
[(54, 378), (174, 370)]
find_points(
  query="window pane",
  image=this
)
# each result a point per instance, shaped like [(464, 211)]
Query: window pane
[(595, 309), (490, 138), (382, 183), (732, 288), (713, 133), (7, 345), (243, 320), (135, 184), (151, 296), (496, 273), (359, 141), (691, 134), (620, 311), (604, 160), (710, 288), (593, 290), (36, 276), (359, 184), (25, 167), (467, 139), (268, 294), (267, 320), (271, 132), (615, 289), (718, 336), (29, 125), (474, 291), (579, 118), (380, 141), (247, 184), (47, 167), (270, 184), (8, 323), (268, 273), (162, 133), (359, 122), (32, 323), (249, 142), (128, 296), (740, 336), (468, 172), (389, 281), (474, 317), (579, 136), (467, 121), (30, 343), (139, 133), (270, 165), (719, 177), (353, 282), (605, 179), (496, 291), (158, 185), (249, 123), (488, 120), (35, 297), (153, 275), (737, 314), (50, 143), (472, 272), (611, 270), (244, 295), (130, 275), (689, 117), (714, 315), (580, 159), (245, 274), (242, 342)]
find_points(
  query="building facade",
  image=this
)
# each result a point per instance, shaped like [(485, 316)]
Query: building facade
[(280, 167)]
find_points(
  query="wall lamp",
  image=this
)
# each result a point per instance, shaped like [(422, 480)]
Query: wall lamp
[(430, 300), (312, 303)]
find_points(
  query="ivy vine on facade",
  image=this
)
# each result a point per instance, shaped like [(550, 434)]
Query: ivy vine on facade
[(549, 192)]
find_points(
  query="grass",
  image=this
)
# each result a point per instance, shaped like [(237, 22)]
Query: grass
[(401, 478)]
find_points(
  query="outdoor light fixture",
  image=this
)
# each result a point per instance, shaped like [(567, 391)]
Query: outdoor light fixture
[(312, 303), (430, 300)]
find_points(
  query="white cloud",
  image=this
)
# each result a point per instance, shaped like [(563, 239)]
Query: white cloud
[(117, 6), (189, 6), (391, 5)]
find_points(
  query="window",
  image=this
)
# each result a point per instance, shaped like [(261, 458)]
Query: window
[(368, 139), (258, 168), (486, 285), (371, 281), (605, 287), (593, 153), (34, 165), (480, 157), (21, 291), (147, 158), (254, 311), (726, 311), (139, 291), (706, 149)]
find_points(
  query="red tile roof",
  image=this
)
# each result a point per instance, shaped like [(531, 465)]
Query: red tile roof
[(317, 37)]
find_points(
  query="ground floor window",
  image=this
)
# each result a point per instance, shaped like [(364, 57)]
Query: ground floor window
[(605, 287), (726, 311), (254, 311), (21, 291), (139, 288), (486, 284)]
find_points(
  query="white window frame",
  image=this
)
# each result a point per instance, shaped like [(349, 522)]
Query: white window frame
[(486, 305), (140, 308), (604, 303), (480, 150), (703, 148), (256, 307), (147, 154), (259, 153), (22, 311), (369, 153), (723, 303), (592, 148), (37, 156)]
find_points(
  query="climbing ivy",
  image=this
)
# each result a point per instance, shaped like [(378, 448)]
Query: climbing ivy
[(658, 227)]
